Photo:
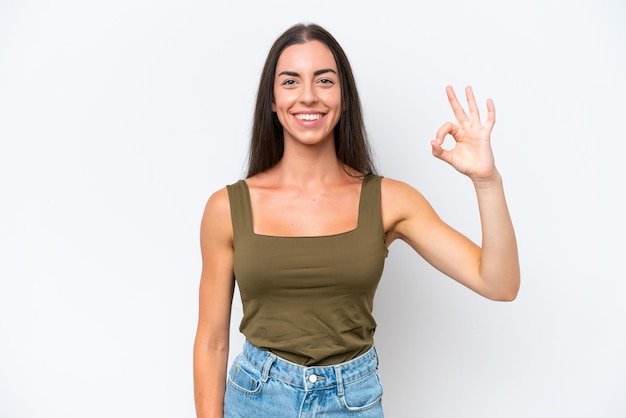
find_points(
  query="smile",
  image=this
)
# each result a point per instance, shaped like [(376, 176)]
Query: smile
[(308, 116)]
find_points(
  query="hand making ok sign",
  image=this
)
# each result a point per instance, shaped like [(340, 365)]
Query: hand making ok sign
[(471, 154)]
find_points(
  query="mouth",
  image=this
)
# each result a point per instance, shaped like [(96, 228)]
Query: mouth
[(308, 116)]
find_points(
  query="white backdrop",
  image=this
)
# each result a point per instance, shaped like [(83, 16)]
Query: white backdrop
[(118, 119)]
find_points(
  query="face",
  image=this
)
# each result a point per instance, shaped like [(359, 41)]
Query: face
[(307, 93)]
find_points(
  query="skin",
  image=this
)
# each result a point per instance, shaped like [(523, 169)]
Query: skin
[(310, 193)]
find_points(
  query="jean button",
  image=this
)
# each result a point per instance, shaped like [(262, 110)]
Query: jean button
[(313, 378)]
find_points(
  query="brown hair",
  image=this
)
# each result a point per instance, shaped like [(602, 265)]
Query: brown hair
[(267, 144)]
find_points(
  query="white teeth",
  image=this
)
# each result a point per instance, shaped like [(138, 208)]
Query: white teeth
[(307, 116)]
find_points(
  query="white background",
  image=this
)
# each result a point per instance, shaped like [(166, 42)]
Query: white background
[(119, 118)]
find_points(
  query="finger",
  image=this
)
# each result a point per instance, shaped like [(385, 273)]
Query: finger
[(471, 103), (447, 128), (439, 151), (456, 106), (491, 114)]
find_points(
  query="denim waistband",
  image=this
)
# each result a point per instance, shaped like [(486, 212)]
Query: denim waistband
[(310, 377)]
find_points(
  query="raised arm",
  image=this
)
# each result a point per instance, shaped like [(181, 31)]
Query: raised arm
[(216, 293), (492, 269)]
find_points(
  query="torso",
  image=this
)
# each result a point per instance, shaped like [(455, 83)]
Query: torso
[(309, 297)]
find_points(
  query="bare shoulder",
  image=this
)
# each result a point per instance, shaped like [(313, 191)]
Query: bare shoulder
[(217, 206), (393, 186), (216, 220), (402, 205), (397, 195)]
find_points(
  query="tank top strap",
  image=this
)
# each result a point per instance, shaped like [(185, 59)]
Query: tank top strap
[(370, 214), (240, 209)]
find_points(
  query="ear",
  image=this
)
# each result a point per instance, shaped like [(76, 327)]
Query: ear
[(273, 107)]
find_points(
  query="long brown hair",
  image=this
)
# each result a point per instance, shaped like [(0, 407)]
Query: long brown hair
[(267, 144)]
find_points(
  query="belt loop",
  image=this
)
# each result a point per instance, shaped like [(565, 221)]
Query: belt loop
[(376, 356), (339, 380), (266, 367)]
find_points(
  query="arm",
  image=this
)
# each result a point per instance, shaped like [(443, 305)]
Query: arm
[(492, 269), (216, 292)]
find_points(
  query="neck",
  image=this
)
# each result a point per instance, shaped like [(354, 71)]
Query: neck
[(304, 164)]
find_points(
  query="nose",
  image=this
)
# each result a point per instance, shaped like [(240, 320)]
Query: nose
[(308, 94)]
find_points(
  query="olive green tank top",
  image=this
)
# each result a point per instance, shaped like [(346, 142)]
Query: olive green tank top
[(309, 299)]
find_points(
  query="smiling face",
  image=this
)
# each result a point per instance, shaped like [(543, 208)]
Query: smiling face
[(307, 93)]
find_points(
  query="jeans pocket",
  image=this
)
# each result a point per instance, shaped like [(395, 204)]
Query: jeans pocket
[(244, 377), (364, 393)]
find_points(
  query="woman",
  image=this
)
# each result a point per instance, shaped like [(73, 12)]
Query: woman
[(306, 235)]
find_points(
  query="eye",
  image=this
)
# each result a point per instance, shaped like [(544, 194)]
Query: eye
[(288, 82), (326, 81)]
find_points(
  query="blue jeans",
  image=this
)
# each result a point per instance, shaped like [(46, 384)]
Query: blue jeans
[(263, 385)]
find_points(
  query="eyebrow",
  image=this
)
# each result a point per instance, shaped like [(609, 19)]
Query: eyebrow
[(316, 73)]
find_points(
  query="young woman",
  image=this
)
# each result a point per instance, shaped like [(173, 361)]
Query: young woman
[(306, 235)]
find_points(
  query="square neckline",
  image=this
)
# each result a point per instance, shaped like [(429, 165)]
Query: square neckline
[(336, 235)]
